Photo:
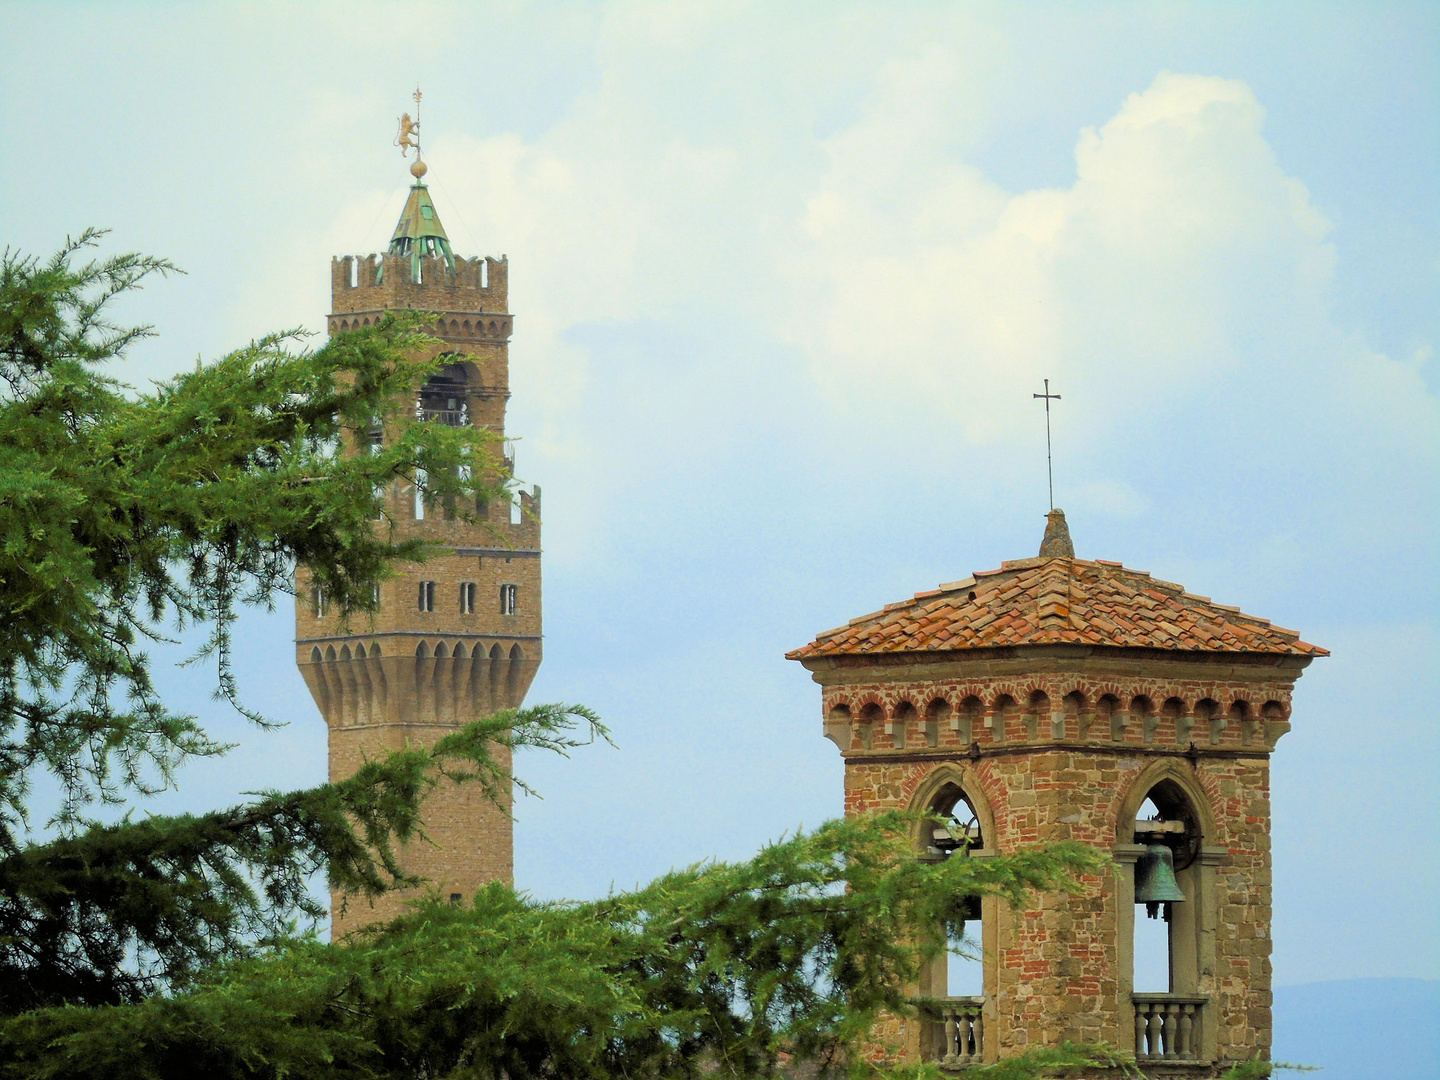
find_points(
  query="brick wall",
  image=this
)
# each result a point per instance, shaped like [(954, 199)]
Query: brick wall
[(1065, 747)]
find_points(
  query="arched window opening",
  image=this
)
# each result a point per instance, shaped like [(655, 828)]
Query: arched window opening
[(421, 480), (1166, 892), (443, 397), (956, 835)]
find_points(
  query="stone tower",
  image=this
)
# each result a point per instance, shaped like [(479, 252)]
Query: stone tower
[(1056, 698), (457, 637)]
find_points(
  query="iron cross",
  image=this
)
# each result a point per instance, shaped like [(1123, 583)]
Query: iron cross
[(1049, 470)]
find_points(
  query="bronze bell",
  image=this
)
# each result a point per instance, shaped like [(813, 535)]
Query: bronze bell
[(1155, 882)]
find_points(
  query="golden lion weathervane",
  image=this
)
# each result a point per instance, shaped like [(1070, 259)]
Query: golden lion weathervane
[(410, 136)]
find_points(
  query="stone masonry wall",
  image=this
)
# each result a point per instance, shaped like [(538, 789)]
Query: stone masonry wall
[(1060, 749)]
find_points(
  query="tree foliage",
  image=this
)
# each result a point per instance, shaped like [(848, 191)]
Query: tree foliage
[(167, 946), (125, 514), (719, 968)]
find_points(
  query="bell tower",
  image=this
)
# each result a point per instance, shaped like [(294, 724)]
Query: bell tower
[(455, 638), (1062, 699)]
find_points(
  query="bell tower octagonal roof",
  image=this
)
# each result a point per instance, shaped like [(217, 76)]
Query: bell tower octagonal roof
[(1057, 600)]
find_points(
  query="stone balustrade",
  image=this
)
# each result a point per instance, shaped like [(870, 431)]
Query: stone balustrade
[(953, 1035), (1167, 1026)]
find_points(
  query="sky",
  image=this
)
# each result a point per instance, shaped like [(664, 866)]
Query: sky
[(784, 279)]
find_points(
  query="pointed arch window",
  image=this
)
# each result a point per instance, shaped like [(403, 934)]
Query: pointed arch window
[(1170, 882), (954, 985)]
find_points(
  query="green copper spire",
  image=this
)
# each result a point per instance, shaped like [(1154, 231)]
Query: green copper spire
[(419, 233)]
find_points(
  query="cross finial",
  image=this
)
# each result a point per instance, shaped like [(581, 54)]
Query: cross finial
[(1049, 468)]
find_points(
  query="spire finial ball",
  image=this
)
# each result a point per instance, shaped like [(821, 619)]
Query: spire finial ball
[(419, 169)]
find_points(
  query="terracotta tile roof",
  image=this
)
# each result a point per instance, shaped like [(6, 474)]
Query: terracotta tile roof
[(1057, 602)]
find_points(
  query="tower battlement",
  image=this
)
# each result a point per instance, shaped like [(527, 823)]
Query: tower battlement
[(389, 281)]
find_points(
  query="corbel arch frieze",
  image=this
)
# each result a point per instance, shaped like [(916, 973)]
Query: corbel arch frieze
[(1081, 707)]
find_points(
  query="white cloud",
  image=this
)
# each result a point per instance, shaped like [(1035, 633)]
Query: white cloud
[(1179, 238)]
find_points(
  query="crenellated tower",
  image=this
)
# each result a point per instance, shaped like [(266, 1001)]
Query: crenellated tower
[(458, 637)]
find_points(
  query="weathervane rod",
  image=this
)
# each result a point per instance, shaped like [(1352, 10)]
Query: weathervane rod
[(1049, 467)]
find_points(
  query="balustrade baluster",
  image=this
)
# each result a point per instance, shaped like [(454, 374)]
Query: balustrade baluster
[(1186, 1047), (952, 1035), (1140, 1024)]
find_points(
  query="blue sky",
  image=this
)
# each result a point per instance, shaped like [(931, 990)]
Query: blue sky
[(784, 278)]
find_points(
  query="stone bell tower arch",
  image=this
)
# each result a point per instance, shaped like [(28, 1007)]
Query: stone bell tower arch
[(1061, 694), (457, 637)]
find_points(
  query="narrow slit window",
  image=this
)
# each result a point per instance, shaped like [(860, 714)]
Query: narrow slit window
[(420, 480), (317, 602), (508, 597)]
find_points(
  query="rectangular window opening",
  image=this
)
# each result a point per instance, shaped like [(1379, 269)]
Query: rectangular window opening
[(427, 596), (467, 598), (1152, 973), (508, 599)]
